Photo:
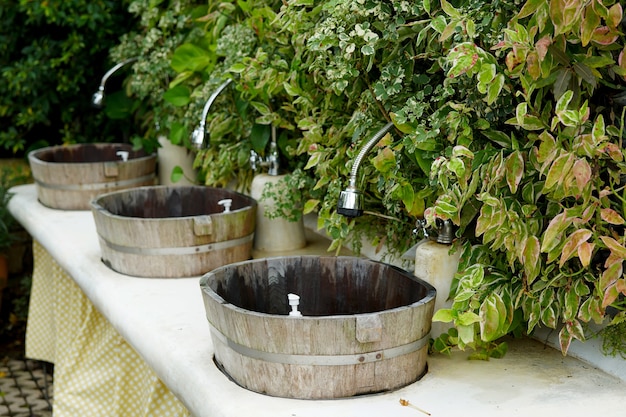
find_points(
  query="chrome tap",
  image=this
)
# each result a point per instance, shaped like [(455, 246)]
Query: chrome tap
[(98, 97), (197, 137), (350, 202), (272, 159), (444, 233)]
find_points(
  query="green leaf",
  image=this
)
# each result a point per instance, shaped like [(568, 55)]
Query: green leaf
[(495, 87), (178, 96), (492, 315), (514, 170), (119, 106), (450, 10), (443, 315), (551, 236), (261, 108), (531, 258), (178, 132), (190, 57), (385, 161), (260, 137), (310, 205), (529, 8), (548, 317), (559, 170), (467, 318), (177, 174), (314, 159)]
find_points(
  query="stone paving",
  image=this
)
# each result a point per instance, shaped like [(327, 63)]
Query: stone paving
[(25, 388)]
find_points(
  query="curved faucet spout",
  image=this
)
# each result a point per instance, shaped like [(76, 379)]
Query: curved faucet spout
[(98, 97), (350, 202), (197, 137)]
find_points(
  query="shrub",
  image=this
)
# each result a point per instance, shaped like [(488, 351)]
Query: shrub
[(52, 57)]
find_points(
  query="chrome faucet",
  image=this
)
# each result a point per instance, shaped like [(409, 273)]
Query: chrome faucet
[(351, 200), (444, 233), (197, 137), (272, 159), (98, 97)]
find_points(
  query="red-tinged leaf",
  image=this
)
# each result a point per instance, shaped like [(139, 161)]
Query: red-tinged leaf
[(582, 173), (615, 247), (576, 330), (547, 149), (611, 216), (610, 275), (559, 170), (612, 260), (614, 151), (584, 145), (531, 258), (585, 250), (620, 285), (514, 170), (615, 16), (542, 46), (533, 65), (555, 228), (565, 339), (603, 35), (572, 244), (610, 295)]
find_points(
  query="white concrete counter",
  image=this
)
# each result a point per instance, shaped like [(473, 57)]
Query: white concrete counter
[(164, 321)]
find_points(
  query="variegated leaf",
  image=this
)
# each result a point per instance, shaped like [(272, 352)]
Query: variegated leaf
[(611, 216), (514, 170), (572, 244), (615, 247), (585, 250)]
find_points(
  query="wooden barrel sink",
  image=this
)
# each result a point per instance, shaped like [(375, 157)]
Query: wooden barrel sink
[(173, 231), (68, 177), (364, 328)]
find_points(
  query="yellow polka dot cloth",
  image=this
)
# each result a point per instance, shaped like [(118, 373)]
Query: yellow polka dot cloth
[(96, 373)]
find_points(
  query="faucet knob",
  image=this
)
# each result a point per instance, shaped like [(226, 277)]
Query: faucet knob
[(226, 203), (255, 160)]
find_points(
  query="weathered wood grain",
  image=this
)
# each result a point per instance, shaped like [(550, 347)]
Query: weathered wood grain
[(68, 177), (172, 232), (364, 329)]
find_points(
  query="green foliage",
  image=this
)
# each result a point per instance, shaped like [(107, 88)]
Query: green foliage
[(539, 193), (163, 27), (52, 57), (9, 177), (502, 124), (287, 196)]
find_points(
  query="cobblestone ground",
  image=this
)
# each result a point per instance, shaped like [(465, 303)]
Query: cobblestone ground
[(25, 388)]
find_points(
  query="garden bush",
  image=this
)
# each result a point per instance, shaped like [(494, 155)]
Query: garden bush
[(52, 57)]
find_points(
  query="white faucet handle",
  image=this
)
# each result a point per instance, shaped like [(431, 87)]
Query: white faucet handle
[(123, 155), (227, 202)]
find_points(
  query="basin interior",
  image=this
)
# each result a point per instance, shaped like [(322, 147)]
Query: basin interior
[(87, 153), (160, 202), (326, 285)]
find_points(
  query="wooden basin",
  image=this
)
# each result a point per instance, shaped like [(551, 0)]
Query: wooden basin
[(364, 328), (173, 231), (68, 177)]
